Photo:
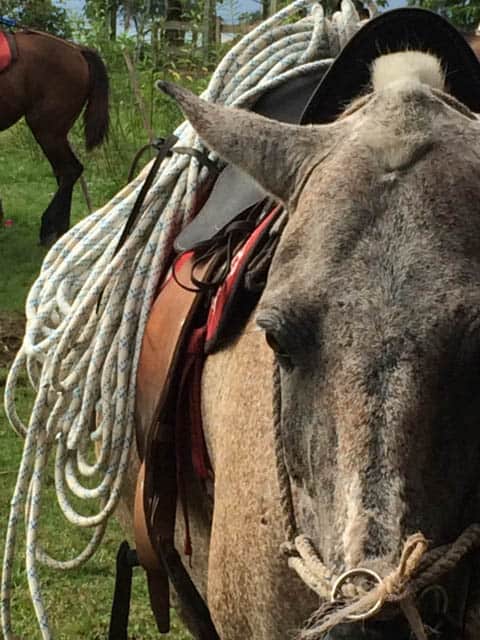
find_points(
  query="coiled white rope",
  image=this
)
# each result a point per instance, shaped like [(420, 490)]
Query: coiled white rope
[(81, 354)]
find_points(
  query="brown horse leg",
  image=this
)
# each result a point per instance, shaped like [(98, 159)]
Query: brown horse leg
[(67, 169)]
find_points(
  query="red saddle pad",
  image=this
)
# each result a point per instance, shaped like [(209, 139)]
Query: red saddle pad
[(5, 53)]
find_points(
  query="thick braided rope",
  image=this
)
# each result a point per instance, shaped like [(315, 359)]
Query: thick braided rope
[(286, 502), (439, 561), (81, 355)]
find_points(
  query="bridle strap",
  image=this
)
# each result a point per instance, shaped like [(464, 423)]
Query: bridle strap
[(163, 151)]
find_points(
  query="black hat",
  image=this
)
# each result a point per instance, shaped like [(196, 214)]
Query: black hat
[(392, 31)]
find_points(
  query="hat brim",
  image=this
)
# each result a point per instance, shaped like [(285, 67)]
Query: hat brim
[(392, 31)]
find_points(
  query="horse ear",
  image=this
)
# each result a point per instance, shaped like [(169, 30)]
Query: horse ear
[(278, 156)]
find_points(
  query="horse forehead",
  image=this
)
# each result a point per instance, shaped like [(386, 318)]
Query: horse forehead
[(356, 218)]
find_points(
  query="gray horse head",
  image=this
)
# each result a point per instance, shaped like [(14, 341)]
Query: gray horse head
[(372, 305)]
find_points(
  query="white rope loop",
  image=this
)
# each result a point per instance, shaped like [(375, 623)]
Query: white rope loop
[(82, 360)]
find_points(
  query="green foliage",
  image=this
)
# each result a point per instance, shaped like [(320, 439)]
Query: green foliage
[(150, 8), (96, 10), (465, 14), (143, 15), (249, 16), (38, 14)]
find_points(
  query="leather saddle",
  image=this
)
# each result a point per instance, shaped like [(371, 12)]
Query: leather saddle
[(318, 98), (8, 49)]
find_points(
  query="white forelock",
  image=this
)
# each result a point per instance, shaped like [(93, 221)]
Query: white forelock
[(424, 67)]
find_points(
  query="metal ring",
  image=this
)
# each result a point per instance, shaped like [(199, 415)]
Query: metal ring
[(347, 575)]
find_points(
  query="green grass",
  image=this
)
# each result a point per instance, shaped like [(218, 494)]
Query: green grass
[(28, 186), (78, 601), (25, 195)]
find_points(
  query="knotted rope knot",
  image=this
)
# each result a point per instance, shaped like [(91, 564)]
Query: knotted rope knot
[(413, 551), (390, 587), (364, 602)]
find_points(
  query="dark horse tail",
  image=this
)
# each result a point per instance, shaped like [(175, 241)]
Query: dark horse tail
[(95, 116)]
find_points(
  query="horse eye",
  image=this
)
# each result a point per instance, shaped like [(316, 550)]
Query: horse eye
[(283, 357)]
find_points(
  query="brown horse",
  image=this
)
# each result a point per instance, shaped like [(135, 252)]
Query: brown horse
[(49, 83)]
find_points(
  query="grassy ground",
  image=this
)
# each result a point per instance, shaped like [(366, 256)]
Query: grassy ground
[(79, 601), (25, 194)]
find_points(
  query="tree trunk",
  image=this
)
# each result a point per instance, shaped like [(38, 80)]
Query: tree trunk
[(174, 11), (112, 15), (155, 43), (206, 26), (209, 24), (266, 9)]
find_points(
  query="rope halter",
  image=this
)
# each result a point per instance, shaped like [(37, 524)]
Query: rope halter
[(352, 596)]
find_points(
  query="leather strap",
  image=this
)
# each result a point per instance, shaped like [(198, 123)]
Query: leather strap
[(126, 560), (163, 152), (192, 602), (169, 319), (157, 578)]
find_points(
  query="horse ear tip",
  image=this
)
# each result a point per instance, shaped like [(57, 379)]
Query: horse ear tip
[(167, 87), (162, 85)]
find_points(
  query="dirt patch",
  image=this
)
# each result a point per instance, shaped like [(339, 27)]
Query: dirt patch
[(12, 328)]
